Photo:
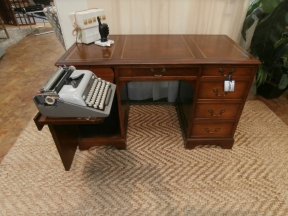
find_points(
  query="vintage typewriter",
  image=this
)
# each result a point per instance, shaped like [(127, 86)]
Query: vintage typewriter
[(75, 93)]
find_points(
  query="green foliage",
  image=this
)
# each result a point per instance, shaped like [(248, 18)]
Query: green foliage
[(283, 81), (262, 74), (283, 39), (257, 10), (270, 40), (269, 5), (268, 31), (254, 4)]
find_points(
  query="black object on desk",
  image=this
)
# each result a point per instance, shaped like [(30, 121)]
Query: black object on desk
[(103, 30)]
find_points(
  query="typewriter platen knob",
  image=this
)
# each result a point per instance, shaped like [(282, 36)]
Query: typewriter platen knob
[(50, 100), (72, 67)]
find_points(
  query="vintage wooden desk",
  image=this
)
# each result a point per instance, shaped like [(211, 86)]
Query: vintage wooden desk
[(201, 63)]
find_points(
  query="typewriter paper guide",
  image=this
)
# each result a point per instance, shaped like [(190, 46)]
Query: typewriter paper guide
[(71, 99), (74, 95)]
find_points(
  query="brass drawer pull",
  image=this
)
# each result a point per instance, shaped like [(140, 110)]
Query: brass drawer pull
[(219, 95), (216, 115), (158, 75), (221, 70), (211, 132)]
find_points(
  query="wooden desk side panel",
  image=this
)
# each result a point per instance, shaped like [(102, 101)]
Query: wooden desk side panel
[(66, 141)]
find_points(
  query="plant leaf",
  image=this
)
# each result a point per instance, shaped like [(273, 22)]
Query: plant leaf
[(262, 75), (285, 61), (269, 5), (254, 4), (280, 42), (280, 51), (257, 14), (269, 31), (285, 33), (249, 21), (283, 82)]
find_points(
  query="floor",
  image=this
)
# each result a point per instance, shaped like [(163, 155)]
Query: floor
[(27, 65), (23, 70)]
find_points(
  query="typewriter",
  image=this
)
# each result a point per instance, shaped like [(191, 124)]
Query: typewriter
[(75, 93)]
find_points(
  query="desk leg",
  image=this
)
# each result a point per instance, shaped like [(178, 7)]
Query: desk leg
[(66, 141)]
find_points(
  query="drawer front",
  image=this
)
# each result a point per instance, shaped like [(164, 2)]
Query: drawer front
[(217, 110), (224, 70), (212, 130), (125, 72), (215, 90), (158, 72)]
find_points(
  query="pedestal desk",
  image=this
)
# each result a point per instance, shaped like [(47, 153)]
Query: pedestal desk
[(207, 114)]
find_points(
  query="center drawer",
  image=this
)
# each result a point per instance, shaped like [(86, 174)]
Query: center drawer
[(158, 72)]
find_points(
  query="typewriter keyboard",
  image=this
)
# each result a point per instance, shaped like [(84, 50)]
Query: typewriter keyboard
[(99, 94)]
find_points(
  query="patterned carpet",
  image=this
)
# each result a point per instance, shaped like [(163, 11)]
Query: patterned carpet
[(155, 175), (15, 35)]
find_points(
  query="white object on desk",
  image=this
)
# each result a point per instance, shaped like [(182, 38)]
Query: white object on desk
[(86, 25), (86, 18), (103, 44), (88, 35)]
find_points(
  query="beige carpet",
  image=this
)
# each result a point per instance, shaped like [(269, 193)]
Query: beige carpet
[(155, 175)]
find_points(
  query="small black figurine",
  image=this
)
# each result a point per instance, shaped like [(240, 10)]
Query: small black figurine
[(103, 30)]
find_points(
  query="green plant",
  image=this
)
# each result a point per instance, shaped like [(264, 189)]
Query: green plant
[(270, 40)]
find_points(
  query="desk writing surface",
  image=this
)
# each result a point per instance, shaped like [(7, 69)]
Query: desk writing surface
[(159, 49)]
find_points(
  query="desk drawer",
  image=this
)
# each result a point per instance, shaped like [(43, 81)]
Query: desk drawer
[(220, 70), (212, 130), (158, 72), (125, 72), (215, 90), (217, 110)]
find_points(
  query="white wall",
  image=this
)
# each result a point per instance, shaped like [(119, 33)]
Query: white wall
[(174, 16), (64, 7), (161, 16)]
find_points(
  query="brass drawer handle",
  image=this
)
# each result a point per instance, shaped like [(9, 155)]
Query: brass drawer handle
[(221, 70), (211, 132), (219, 95), (158, 75), (216, 115)]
